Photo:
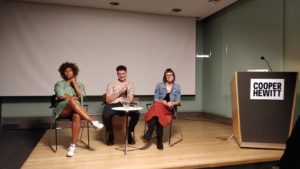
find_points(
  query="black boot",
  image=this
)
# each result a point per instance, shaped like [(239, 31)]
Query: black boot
[(159, 143), (130, 138), (159, 133), (110, 139), (151, 126)]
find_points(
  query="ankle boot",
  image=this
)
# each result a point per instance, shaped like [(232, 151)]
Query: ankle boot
[(149, 132), (159, 133), (130, 138), (159, 143), (110, 139)]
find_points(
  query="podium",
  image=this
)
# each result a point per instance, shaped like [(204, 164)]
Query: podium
[(263, 105)]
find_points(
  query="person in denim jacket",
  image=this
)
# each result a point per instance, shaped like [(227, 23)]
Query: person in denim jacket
[(167, 95)]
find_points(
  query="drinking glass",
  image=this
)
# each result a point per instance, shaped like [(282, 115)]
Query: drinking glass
[(136, 102), (126, 103)]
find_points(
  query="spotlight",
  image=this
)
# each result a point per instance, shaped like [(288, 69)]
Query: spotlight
[(114, 3), (176, 9)]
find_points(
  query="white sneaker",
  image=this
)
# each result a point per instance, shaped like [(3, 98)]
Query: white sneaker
[(97, 125), (71, 151)]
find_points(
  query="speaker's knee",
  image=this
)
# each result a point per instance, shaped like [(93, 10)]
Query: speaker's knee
[(76, 117)]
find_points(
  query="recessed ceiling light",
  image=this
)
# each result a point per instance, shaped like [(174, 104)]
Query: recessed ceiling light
[(176, 10), (114, 3)]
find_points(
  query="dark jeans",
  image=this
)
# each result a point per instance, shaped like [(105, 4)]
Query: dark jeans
[(108, 114), (152, 124)]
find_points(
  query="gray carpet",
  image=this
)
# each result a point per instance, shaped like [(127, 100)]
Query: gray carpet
[(16, 145)]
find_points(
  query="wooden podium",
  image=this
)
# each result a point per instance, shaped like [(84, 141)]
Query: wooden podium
[(263, 105)]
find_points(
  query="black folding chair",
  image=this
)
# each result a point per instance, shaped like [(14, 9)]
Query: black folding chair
[(54, 123), (174, 117)]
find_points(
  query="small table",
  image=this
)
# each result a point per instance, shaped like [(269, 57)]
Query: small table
[(126, 110)]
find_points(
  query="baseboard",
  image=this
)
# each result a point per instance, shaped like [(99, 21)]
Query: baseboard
[(217, 118), (9, 123)]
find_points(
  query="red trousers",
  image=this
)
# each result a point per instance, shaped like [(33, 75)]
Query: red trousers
[(163, 113)]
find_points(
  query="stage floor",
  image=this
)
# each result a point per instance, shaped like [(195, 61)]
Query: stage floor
[(202, 147)]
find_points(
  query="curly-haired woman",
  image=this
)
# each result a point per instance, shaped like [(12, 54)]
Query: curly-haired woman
[(68, 93)]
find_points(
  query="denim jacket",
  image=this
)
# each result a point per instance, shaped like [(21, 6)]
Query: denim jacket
[(160, 92)]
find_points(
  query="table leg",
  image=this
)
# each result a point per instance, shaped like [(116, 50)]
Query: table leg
[(0, 115), (126, 136)]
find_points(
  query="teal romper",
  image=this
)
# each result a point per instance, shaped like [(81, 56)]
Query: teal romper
[(61, 88)]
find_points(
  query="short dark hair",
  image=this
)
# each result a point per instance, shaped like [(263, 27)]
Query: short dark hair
[(66, 65), (121, 67), (169, 70)]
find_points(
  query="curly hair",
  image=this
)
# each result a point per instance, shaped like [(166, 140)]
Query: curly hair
[(66, 65)]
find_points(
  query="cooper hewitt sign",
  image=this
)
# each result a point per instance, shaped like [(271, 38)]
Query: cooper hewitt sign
[(267, 89)]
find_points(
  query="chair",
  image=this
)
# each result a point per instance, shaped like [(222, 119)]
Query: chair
[(174, 117), (55, 121)]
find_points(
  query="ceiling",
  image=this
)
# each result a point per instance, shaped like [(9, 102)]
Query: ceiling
[(199, 9)]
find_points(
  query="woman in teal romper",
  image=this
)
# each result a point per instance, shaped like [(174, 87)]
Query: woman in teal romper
[(68, 94)]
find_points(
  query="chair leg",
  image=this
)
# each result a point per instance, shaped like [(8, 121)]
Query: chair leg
[(145, 127), (88, 131), (55, 125), (81, 133), (51, 130), (170, 133)]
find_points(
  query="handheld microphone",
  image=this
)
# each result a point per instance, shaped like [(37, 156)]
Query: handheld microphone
[(263, 58)]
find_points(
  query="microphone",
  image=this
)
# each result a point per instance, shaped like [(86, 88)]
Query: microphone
[(263, 58)]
